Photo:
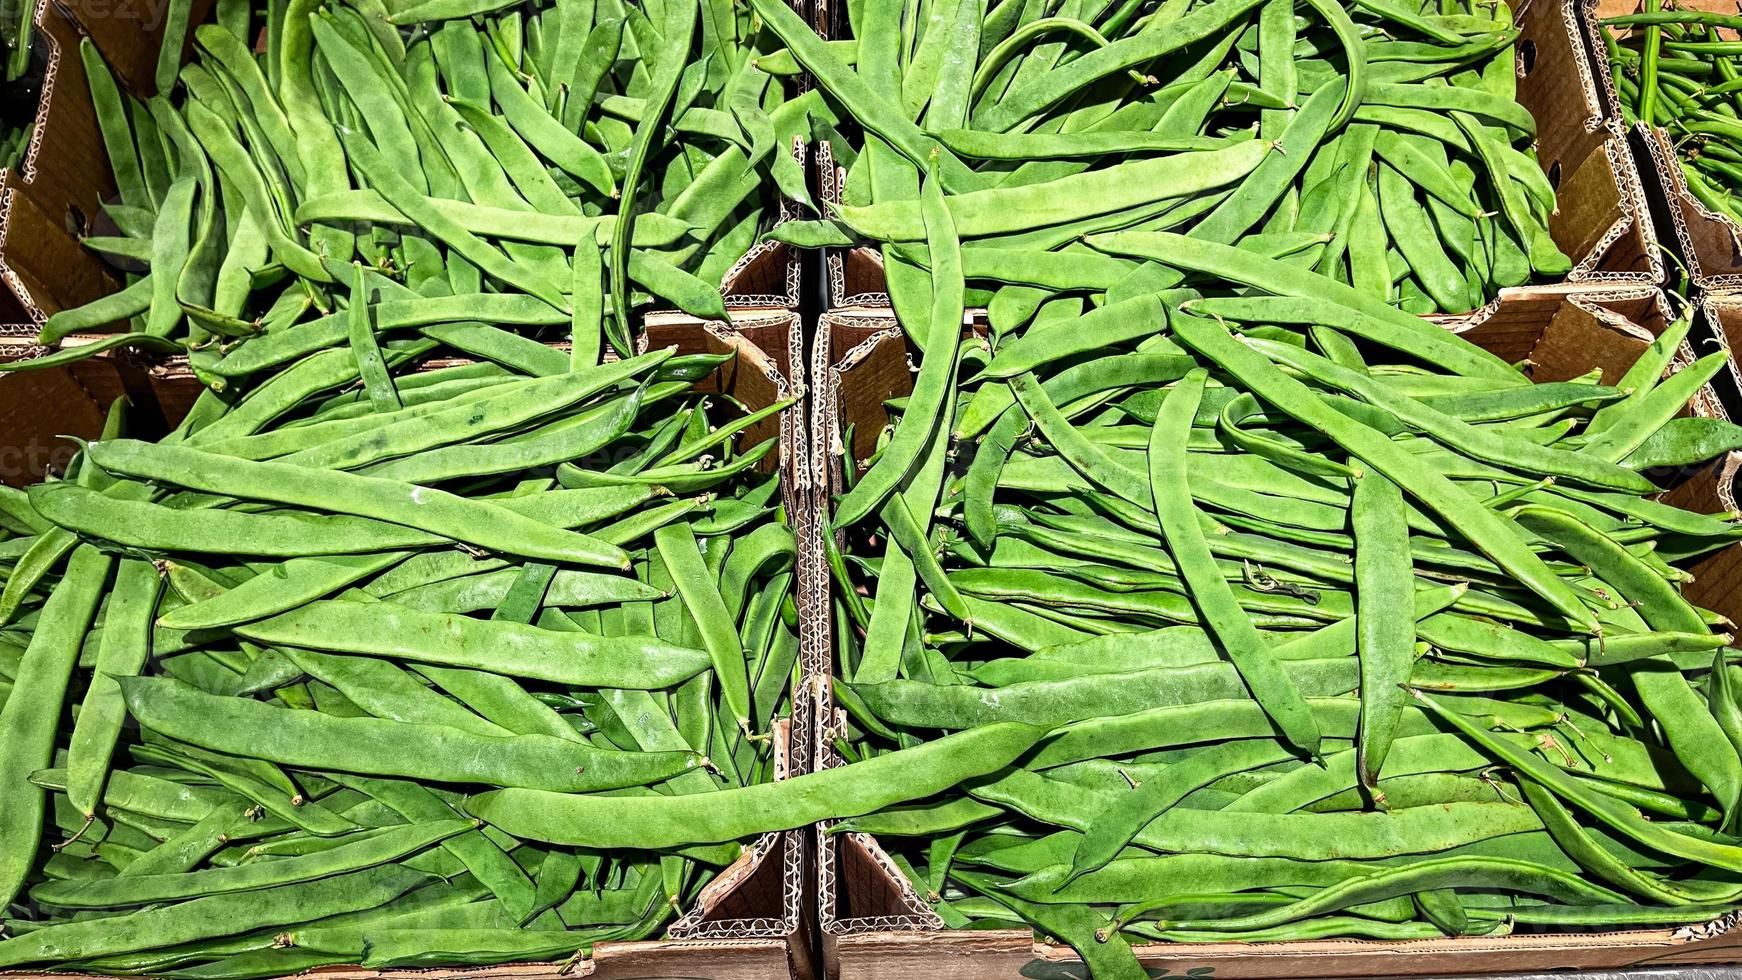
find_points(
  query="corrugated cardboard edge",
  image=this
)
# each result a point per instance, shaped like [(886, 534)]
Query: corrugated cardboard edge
[(827, 458), (736, 286), (867, 291), (911, 936), (1714, 253), (31, 441), (749, 284), (1710, 243), (701, 942), (1570, 112)]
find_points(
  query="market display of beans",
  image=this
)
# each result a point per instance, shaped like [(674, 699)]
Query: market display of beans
[(1200, 588)]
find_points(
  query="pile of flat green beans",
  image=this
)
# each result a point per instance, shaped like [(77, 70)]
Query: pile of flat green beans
[(1682, 70), (549, 165), (1337, 624), (263, 681), (1377, 142)]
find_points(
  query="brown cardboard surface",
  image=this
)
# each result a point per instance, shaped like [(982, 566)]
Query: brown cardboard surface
[(65, 176), (1012, 954), (38, 409), (1723, 313), (1602, 221), (1711, 244), (874, 924), (751, 921), (31, 443)]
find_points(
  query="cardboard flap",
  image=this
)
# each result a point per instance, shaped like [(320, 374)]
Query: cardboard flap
[(855, 275), (767, 276), (1712, 241), (873, 365), (34, 446), (1577, 338), (1722, 323), (756, 378)]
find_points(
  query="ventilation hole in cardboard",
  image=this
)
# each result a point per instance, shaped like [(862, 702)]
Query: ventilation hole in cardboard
[(1526, 56), (77, 223), (1554, 175)]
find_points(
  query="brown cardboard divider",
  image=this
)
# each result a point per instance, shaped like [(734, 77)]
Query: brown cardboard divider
[(57, 194), (751, 921), (32, 435), (1601, 221), (1710, 244), (874, 924), (39, 410)]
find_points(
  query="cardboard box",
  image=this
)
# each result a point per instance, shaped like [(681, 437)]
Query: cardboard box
[(874, 925), (1710, 244), (57, 195), (1603, 222), (752, 921)]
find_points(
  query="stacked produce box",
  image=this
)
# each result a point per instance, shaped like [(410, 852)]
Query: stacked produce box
[(1068, 495), (1664, 71), (876, 908)]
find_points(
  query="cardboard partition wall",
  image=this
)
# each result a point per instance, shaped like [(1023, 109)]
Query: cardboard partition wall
[(874, 924), (1710, 244), (751, 921), (57, 195), (1602, 220)]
